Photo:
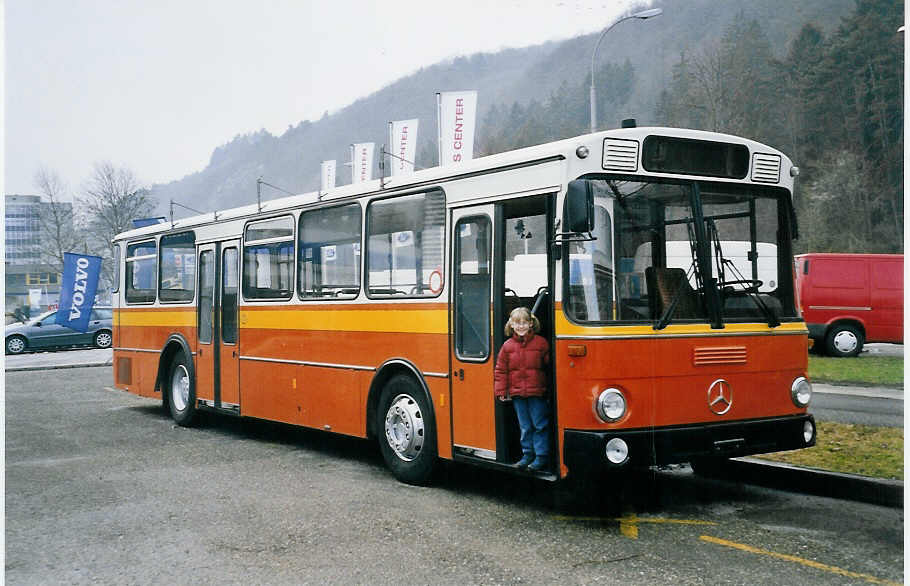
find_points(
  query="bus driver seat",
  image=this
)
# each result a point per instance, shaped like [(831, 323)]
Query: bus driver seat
[(663, 285)]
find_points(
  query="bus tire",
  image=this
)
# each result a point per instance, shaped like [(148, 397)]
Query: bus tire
[(181, 393), (407, 437), (844, 340)]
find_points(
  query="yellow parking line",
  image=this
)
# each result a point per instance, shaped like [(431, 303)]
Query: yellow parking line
[(628, 524), (793, 558)]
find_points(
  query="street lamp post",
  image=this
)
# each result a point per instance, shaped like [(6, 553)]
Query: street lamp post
[(643, 15)]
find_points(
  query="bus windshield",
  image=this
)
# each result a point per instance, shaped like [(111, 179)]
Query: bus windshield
[(683, 251)]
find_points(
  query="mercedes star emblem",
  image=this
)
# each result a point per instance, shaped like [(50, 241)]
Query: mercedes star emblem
[(720, 396)]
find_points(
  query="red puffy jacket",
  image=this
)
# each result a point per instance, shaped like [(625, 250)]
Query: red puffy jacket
[(520, 367)]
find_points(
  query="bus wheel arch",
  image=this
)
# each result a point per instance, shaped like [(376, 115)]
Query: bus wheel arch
[(386, 372), (177, 350), (844, 338), (400, 416)]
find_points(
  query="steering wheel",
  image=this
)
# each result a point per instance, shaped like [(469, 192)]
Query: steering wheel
[(748, 286)]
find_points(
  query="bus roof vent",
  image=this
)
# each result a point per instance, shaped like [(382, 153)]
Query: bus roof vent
[(620, 155), (765, 168)]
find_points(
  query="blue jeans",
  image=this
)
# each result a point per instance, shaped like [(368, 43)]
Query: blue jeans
[(534, 419)]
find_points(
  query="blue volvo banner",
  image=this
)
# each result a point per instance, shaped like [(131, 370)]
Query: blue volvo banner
[(77, 291)]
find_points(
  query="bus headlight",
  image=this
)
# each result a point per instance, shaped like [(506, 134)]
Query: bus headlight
[(610, 405), (801, 392), (617, 451)]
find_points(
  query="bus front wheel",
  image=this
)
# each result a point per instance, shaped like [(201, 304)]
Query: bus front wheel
[(407, 437), (180, 392)]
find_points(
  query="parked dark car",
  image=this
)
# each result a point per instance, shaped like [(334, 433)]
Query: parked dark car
[(43, 332)]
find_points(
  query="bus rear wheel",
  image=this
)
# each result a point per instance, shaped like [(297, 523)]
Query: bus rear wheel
[(181, 394), (407, 437)]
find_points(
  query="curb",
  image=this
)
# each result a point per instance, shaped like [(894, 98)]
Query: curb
[(56, 366), (865, 489)]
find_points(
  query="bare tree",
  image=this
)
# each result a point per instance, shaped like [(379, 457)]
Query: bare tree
[(711, 88), (55, 220), (111, 199)]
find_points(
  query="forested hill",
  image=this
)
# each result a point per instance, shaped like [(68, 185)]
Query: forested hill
[(752, 67)]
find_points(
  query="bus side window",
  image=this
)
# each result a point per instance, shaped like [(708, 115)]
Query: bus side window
[(329, 244), (268, 259), (178, 267), (115, 287), (141, 272), (405, 245)]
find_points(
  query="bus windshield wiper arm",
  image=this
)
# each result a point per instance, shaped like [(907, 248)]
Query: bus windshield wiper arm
[(773, 320), (664, 320), (668, 313)]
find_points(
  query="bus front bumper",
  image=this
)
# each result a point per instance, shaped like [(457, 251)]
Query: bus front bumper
[(584, 450)]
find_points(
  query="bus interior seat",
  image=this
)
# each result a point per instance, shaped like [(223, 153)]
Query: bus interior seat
[(663, 286), (511, 302)]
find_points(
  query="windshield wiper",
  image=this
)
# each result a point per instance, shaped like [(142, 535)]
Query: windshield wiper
[(723, 263)]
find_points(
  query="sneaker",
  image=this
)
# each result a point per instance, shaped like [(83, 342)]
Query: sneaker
[(525, 460), (539, 464)]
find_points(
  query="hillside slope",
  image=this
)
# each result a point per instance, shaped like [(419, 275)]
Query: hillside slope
[(292, 160)]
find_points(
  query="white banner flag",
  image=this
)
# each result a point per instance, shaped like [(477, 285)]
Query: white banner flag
[(457, 112), (403, 145), (361, 162), (34, 299), (328, 175)]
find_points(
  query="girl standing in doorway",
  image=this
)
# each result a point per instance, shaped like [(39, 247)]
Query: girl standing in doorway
[(520, 376)]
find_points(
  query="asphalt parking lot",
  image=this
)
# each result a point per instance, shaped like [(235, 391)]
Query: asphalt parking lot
[(102, 487)]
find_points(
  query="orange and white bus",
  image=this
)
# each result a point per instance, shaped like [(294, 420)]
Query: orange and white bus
[(377, 310)]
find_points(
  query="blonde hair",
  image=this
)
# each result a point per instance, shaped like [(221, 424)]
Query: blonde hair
[(521, 314)]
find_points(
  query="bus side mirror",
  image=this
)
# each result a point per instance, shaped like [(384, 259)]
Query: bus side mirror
[(579, 207)]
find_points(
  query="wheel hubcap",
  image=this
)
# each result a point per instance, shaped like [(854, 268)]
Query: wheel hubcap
[(104, 340), (180, 387), (845, 342), (15, 345), (404, 429)]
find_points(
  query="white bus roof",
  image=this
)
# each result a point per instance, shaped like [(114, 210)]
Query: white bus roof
[(564, 151)]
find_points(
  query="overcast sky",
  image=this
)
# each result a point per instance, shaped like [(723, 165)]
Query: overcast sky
[(156, 85)]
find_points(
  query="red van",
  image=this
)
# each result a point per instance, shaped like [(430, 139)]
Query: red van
[(850, 299)]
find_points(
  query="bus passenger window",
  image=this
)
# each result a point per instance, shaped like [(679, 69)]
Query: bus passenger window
[(268, 259), (141, 272), (405, 245), (329, 244), (178, 267), (115, 286)]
